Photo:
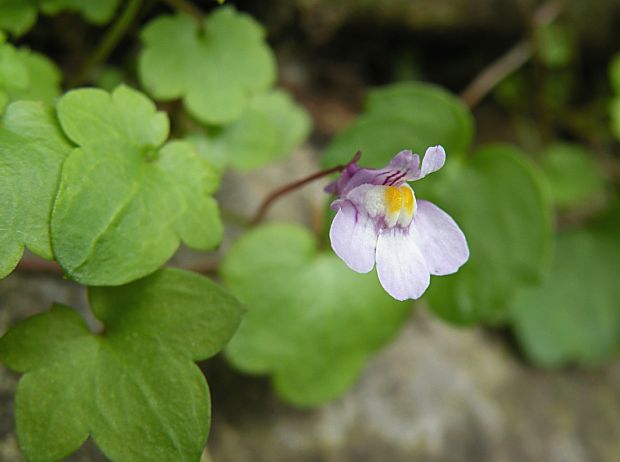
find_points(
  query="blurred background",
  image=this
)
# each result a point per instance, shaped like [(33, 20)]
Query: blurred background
[(538, 379)]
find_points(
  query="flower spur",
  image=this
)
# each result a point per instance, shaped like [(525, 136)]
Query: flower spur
[(380, 221)]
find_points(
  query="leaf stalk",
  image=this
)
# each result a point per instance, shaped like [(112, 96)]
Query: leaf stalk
[(109, 42)]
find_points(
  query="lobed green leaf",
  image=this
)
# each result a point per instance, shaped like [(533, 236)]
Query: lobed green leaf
[(500, 202), (614, 74), (615, 116), (554, 45), (125, 201), (214, 67), (270, 128), (26, 75), (135, 389), (614, 106), (18, 16), (32, 151), (184, 311), (401, 116), (95, 11), (574, 315), (312, 323), (573, 175)]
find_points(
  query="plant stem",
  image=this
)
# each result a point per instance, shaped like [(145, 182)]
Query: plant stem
[(496, 72), (185, 6), (276, 194), (512, 60), (109, 42)]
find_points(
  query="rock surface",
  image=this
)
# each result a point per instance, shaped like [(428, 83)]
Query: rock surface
[(435, 394)]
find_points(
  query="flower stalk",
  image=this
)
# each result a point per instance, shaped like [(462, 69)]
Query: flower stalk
[(284, 190), (109, 42)]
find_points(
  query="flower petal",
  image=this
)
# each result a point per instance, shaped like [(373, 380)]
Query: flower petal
[(406, 162), (338, 186), (400, 264), (434, 158), (440, 239), (353, 236), (404, 166)]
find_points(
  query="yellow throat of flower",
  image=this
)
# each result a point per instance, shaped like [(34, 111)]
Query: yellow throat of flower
[(400, 204)]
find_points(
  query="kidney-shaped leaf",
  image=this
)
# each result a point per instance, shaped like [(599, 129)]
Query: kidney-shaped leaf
[(614, 107), (124, 200), (270, 128), (614, 73), (32, 150), (575, 179), (312, 323), (214, 69), (17, 16), (574, 315), (134, 389), (499, 201), (404, 116), (96, 11), (26, 75)]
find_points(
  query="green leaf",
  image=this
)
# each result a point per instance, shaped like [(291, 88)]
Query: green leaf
[(312, 323), (32, 150), (110, 77), (269, 129), (404, 116), (26, 75), (614, 108), (18, 16), (574, 315), (573, 175), (134, 389), (498, 199), (44, 77), (614, 74), (555, 46), (124, 200), (96, 11), (215, 69), (4, 100), (615, 116), (44, 431), (182, 310)]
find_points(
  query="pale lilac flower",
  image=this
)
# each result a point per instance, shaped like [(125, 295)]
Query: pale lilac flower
[(379, 220)]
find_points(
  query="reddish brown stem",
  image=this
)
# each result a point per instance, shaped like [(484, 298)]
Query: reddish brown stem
[(275, 195), (512, 60)]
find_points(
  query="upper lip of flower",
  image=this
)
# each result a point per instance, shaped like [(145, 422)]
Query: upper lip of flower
[(379, 220)]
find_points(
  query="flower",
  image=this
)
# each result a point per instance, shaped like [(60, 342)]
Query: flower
[(379, 220)]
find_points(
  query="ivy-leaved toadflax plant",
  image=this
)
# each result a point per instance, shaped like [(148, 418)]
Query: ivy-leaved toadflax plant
[(379, 220)]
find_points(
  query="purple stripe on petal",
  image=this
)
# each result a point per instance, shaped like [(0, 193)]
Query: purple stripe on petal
[(391, 176), (400, 264), (407, 162), (404, 166), (440, 239), (396, 179), (353, 236)]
